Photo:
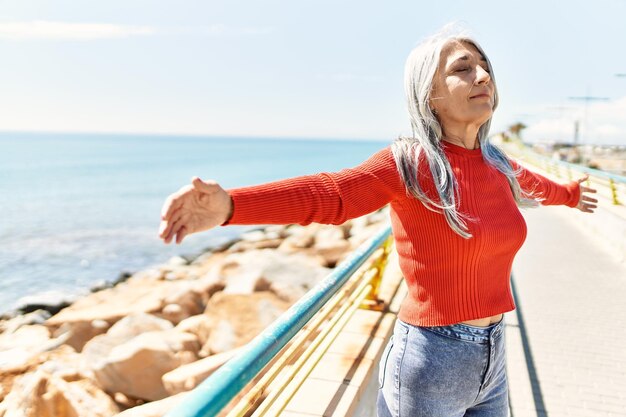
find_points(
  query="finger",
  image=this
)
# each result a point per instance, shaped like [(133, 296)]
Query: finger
[(176, 230), (166, 225), (181, 234), (587, 189), (207, 187), (171, 203), (587, 198), (174, 201), (173, 230), (583, 178)]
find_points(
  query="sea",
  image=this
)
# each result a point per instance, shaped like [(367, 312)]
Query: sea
[(78, 210)]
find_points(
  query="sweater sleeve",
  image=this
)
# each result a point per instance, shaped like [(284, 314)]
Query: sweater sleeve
[(552, 192), (327, 197)]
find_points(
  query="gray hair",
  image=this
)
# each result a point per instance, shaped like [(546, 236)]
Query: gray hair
[(420, 69)]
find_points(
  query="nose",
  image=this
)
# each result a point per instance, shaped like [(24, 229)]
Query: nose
[(482, 76)]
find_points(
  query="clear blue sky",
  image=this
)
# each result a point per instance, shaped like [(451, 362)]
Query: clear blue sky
[(331, 69)]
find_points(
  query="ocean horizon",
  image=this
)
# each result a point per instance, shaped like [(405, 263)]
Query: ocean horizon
[(79, 209)]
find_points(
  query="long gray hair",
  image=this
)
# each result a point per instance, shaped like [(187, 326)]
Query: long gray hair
[(420, 69)]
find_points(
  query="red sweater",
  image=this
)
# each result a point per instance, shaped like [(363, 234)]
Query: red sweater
[(449, 278)]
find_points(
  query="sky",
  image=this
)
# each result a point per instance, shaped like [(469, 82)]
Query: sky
[(306, 69)]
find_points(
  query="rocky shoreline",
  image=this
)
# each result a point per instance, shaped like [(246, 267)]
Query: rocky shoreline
[(135, 347)]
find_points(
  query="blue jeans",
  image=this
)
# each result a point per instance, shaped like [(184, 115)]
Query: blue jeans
[(443, 371)]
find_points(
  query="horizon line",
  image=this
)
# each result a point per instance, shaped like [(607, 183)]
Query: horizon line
[(191, 135)]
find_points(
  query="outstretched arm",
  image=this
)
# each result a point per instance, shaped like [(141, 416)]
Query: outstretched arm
[(570, 194), (329, 197)]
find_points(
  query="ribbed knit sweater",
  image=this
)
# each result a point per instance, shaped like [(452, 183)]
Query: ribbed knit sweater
[(449, 278)]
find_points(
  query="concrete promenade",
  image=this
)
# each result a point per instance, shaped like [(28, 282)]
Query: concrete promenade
[(566, 341)]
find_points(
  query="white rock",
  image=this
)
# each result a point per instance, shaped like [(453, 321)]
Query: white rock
[(254, 236), (187, 377), (38, 394), (201, 325), (177, 261), (98, 348), (289, 276), (221, 339), (135, 368)]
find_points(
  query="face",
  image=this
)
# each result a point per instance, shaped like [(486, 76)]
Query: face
[(462, 89)]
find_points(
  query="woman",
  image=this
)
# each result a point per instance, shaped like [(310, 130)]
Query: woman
[(454, 211)]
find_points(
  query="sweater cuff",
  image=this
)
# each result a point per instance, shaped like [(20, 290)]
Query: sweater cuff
[(573, 189)]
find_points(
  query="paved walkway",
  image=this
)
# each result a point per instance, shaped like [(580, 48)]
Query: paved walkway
[(566, 340)]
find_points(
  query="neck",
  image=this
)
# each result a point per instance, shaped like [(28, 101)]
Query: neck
[(466, 136)]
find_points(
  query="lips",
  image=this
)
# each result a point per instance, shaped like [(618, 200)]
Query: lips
[(481, 95)]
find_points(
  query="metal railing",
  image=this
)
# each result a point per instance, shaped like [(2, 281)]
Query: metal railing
[(336, 295), (611, 186)]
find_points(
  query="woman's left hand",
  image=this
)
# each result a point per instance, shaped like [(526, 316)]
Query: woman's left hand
[(586, 203)]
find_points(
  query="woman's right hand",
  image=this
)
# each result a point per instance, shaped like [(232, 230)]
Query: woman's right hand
[(194, 208)]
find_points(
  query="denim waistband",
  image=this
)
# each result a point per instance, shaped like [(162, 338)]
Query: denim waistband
[(465, 331)]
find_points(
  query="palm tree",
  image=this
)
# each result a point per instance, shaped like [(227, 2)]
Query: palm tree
[(516, 129)]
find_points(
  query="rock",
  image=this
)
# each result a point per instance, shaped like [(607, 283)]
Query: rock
[(276, 230), (135, 368), (288, 276), (299, 237), (100, 285), (296, 229), (173, 313), (122, 277), (98, 349), (244, 246), (178, 273), (131, 297), (177, 261), (18, 347), (222, 338), (329, 233), (63, 362), (126, 402), (101, 324), (219, 247), (201, 325), (81, 332), (242, 317), (333, 251), (136, 324), (152, 274), (50, 301), (361, 235), (40, 394), (246, 282), (187, 298), (187, 377), (36, 317), (254, 236), (296, 243), (209, 284), (29, 364), (104, 284), (379, 216), (155, 408)]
